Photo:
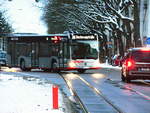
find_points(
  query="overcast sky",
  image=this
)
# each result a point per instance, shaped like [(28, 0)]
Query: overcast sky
[(24, 16)]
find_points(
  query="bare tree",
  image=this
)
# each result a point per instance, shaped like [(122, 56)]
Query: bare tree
[(120, 19), (5, 27), (116, 20)]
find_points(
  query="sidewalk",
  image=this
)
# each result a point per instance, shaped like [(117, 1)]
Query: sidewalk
[(108, 66), (27, 95)]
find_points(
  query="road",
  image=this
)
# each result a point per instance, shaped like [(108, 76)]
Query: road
[(100, 91)]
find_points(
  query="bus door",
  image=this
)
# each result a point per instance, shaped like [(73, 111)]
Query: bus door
[(63, 54), (35, 54), (13, 54)]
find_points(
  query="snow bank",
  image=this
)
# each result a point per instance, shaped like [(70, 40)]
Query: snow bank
[(26, 95)]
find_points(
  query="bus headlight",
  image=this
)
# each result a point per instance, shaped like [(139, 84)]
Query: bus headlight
[(71, 64), (97, 64)]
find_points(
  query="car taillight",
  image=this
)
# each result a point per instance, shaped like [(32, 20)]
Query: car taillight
[(130, 64)]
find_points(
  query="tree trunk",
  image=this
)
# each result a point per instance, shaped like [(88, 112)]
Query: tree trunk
[(136, 23), (120, 43)]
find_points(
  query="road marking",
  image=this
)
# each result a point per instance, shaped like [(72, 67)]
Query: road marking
[(139, 93), (131, 89), (145, 82)]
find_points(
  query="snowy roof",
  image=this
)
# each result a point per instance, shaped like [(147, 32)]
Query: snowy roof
[(29, 35), (36, 34)]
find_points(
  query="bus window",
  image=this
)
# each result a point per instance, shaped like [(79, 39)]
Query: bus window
[(23, 46), (55, 50), (66, 51), (44, 50)]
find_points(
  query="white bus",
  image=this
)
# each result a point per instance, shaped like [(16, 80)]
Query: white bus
[(53, 51)]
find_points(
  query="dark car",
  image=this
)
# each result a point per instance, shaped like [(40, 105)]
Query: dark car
[(3, 59), (136, 64)]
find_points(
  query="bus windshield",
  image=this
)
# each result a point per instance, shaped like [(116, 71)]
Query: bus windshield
[(85, 49)]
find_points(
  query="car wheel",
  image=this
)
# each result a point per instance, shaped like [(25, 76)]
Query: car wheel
[(122, 77), (128, 80)]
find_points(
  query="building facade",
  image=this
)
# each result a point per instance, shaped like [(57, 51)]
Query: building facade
[(144, 20)]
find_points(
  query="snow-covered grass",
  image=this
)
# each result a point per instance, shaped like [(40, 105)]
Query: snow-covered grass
[(30, 95)]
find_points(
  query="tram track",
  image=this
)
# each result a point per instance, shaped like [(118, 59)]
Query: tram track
[(73, 92), (95, 90), (101, 95), (68, 84)]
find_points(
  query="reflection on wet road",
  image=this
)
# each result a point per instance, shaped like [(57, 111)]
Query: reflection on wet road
[(100, 90), (129, 98)]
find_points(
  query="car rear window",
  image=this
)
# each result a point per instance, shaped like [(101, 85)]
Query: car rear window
[(141, 56)]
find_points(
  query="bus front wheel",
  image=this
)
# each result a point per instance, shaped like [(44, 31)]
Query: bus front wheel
[(81, 70), (55, 67)]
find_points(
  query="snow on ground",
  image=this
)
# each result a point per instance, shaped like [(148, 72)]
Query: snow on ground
[(106, 65), (26, 96), (29, 95)]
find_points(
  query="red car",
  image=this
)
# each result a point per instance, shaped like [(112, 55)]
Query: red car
[(117, 60), (136, 64)]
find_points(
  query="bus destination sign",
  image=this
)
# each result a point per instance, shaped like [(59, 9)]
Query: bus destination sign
[(83, 37), (14, 38)]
